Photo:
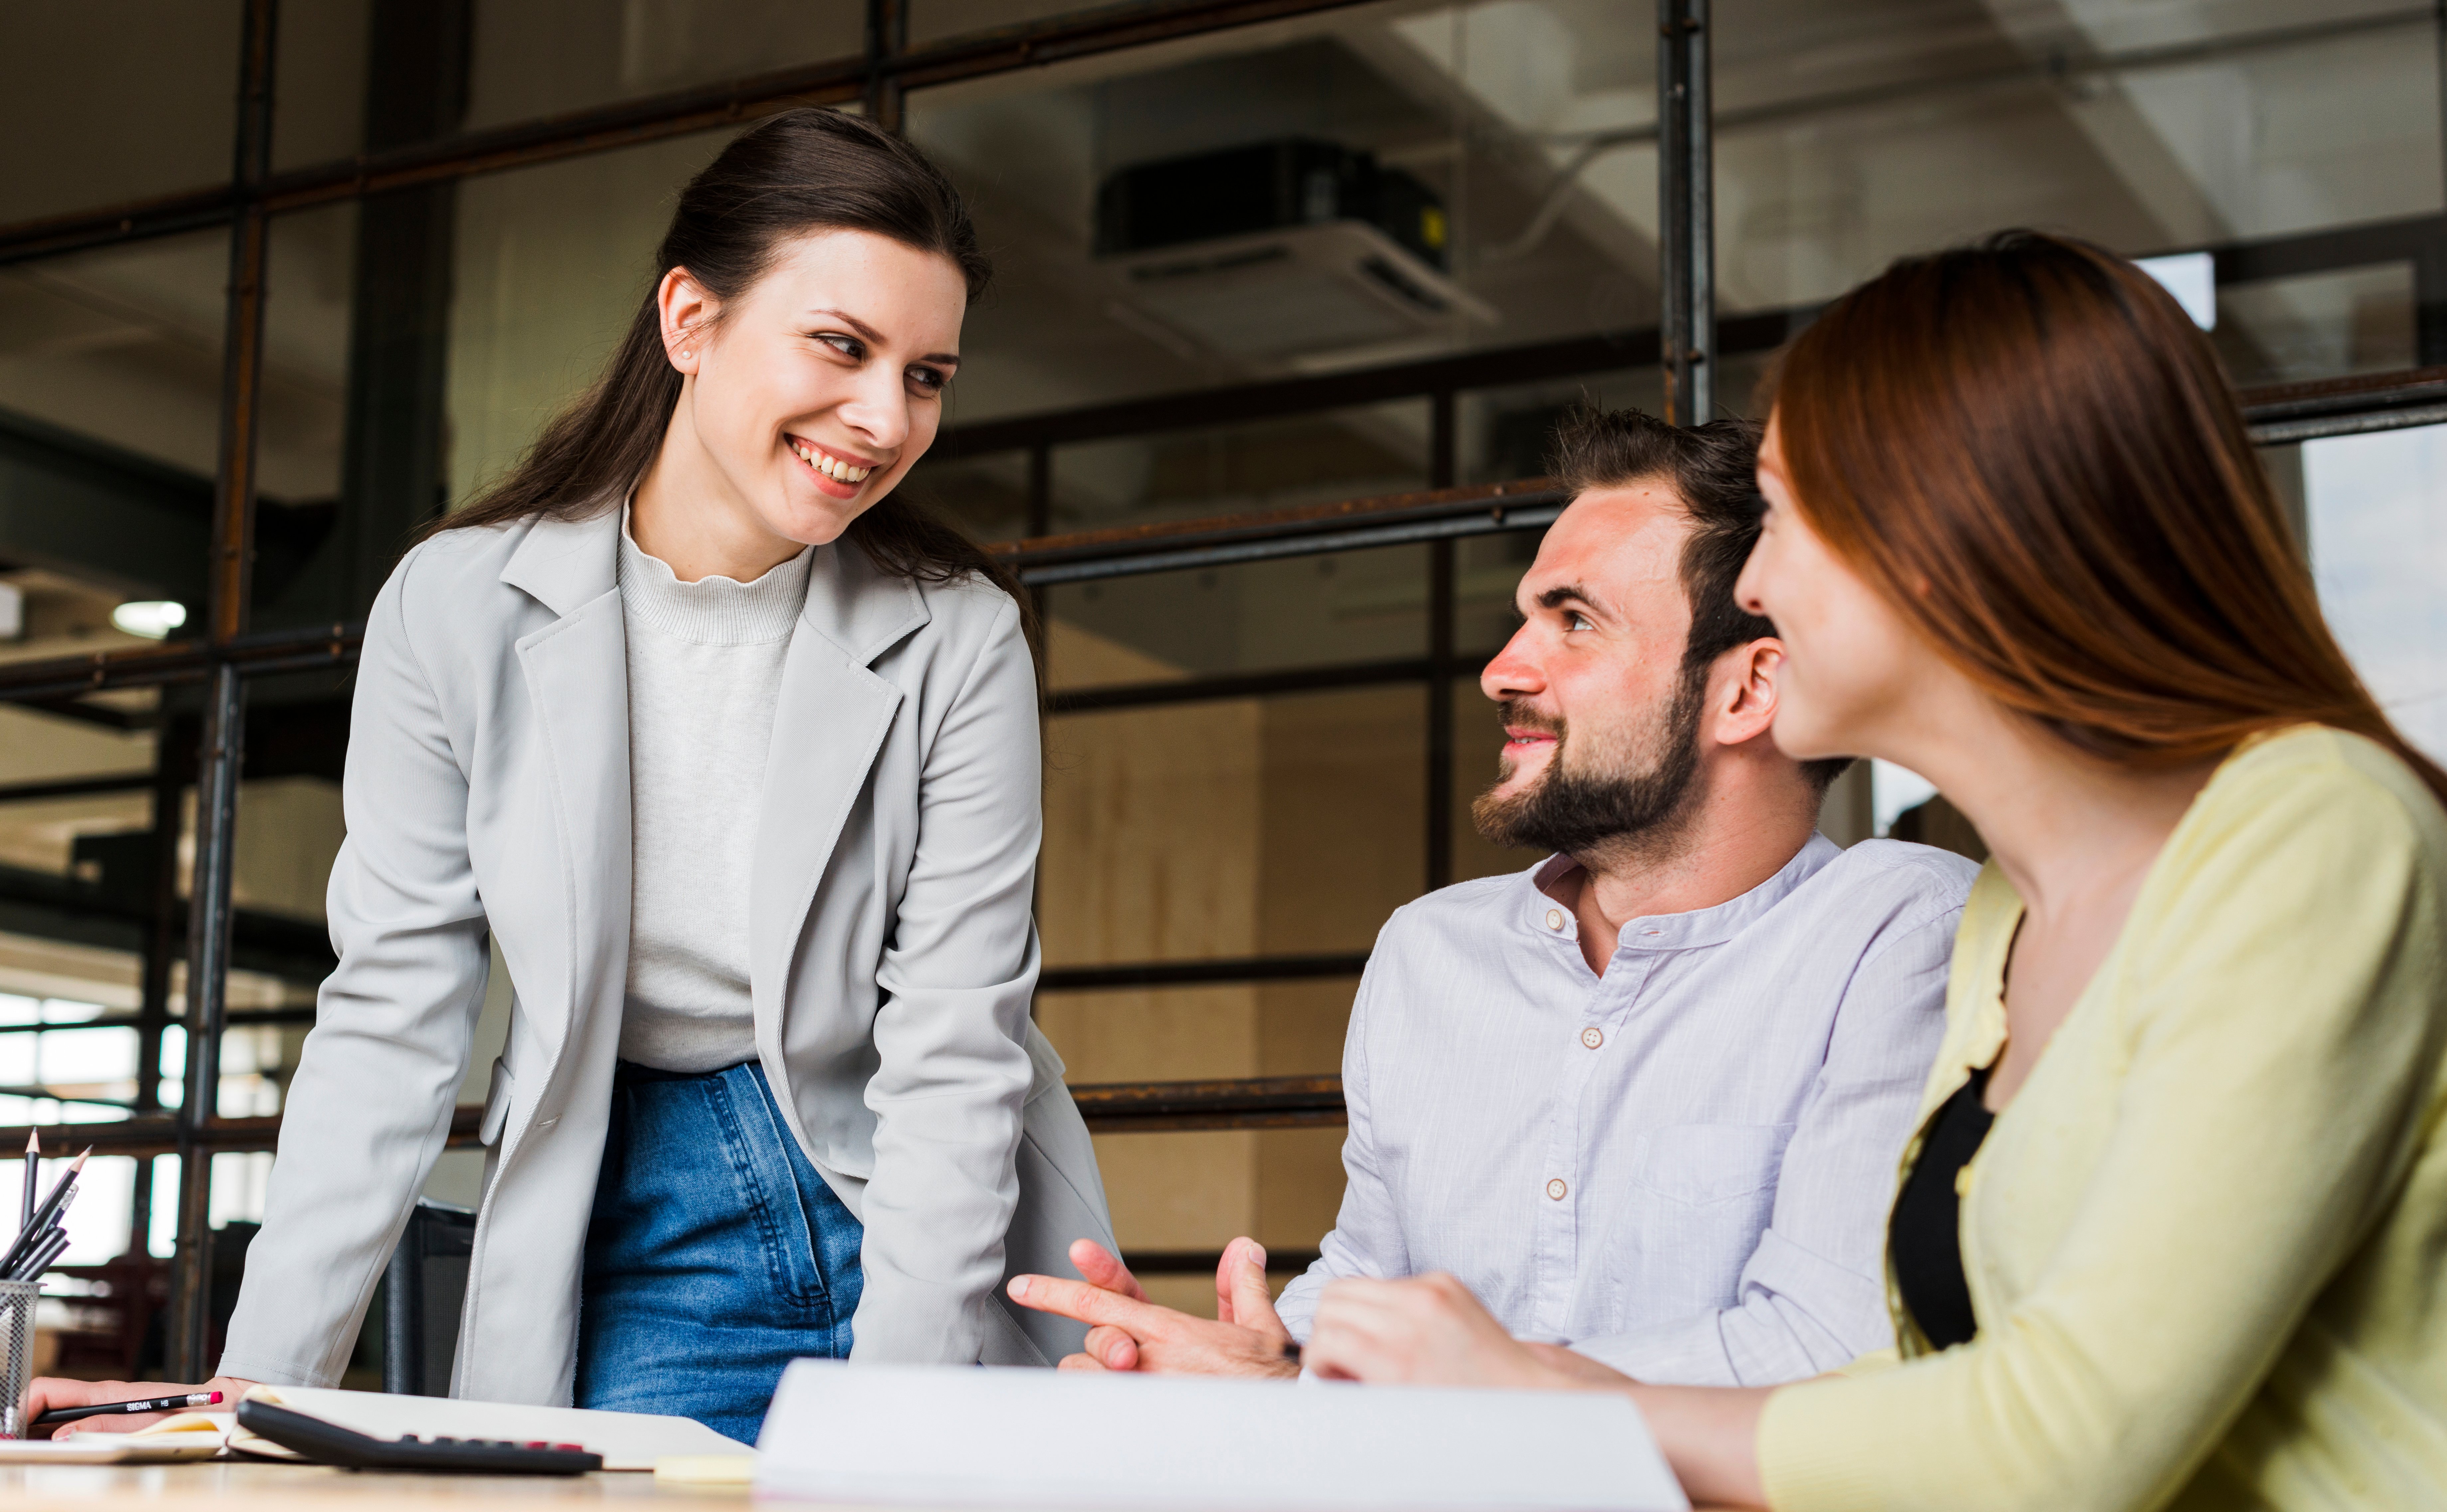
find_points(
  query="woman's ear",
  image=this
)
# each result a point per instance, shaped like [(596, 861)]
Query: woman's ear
[(687, 313)]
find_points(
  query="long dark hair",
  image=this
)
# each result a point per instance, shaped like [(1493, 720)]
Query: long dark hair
[(790, 173), (2030, 451)]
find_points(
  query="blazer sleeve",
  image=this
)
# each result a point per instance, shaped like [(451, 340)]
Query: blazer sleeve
[(2280, 1036), (954, 982), (369, 1105)]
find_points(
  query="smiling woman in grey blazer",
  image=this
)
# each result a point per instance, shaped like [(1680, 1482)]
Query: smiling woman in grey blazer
[(736, 758)]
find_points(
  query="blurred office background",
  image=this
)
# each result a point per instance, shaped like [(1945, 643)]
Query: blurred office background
[(280, 283)]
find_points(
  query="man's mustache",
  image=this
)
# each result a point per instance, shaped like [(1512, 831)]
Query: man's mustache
[(1522, 715)]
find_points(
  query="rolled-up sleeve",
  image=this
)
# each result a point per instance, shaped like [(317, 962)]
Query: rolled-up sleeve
[(956, 979)]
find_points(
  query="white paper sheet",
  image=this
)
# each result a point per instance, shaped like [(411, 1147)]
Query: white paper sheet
[(627, 1441), (953, 1436)]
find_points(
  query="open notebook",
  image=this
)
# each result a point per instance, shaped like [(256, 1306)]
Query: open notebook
[(627, 1441), (182, 1436)]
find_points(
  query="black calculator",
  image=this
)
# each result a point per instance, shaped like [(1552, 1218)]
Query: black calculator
[(330, 1443)]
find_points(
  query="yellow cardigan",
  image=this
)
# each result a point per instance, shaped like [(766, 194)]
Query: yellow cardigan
[(2207, 1242)]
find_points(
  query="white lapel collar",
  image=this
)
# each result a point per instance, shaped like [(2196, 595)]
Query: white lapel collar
[(563, 564), (828, 722), (576, 671)]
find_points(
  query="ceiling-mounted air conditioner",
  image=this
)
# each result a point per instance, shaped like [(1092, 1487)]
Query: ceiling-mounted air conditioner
[(1281, 248)]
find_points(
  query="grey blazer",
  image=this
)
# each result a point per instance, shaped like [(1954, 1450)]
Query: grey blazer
[(892, 956)]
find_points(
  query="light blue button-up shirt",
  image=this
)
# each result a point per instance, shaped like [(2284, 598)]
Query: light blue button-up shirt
[(1683, 1167)]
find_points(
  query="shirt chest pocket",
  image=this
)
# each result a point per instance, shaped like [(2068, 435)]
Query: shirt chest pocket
[(1705, 1164)]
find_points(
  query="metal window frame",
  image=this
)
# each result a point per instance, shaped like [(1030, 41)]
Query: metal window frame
[(1689, 340)]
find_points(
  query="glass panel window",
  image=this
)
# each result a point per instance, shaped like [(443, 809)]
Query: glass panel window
[(110, 374), (2322, 326), (1509, 433), (1271, 464), (53, 1071), (988, 495), (1294, 613), (319, 555), (936, 20), (2377, 511), (543, 57), (1368, 185), (318, 110), (104, 104), (550, 265), (1848, 135)]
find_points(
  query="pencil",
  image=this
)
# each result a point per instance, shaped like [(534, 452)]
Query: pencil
[(28, 1237), (157, 1403), (33, 1159), (40, 1260)]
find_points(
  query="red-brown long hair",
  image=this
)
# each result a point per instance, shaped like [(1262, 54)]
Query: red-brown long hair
[(2030, 450)]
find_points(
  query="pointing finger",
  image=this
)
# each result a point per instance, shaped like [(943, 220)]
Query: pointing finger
[(1089, 1304)]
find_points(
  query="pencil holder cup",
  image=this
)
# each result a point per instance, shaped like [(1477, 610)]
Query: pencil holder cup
[(17, 1300)]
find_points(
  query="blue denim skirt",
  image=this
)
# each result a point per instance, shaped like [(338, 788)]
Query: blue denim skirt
[(716, 1256)]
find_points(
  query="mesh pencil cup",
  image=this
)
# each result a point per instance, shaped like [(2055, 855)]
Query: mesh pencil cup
[(17, 1300)]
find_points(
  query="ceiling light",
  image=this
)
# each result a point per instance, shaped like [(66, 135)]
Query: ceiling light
[(152, 618)]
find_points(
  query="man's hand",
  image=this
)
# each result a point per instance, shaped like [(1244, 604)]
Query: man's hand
[(1131, 1333), (1429, 1330), (50, 1391)]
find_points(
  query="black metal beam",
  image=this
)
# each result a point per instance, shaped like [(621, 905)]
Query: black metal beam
[(238, 1017), (888, 38), (75, 787), (71, 502), (228, 590), (1367, 525), (1686, 258), (1229, 971), (1282, 398), (1256, 1102), (161, 1135), (2341, 407)]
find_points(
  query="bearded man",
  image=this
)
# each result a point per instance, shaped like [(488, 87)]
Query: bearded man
[(1645, 1099)]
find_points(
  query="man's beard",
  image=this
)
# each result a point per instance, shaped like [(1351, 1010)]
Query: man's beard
[(1624, 805)]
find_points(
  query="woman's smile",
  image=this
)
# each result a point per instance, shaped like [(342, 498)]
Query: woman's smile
[(837, 475)]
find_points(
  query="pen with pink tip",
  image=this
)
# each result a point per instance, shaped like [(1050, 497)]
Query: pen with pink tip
[(155, 1404)]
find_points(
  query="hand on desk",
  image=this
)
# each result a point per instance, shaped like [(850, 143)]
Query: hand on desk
[(1429, 1331), (52, 1391), (1131, 1333)]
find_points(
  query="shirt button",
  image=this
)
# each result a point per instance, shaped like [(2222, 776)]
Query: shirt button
[(1556, 1189), (1555, 918), (1592, 1036)]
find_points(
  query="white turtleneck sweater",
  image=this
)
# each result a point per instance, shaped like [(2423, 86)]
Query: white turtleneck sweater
[(705, 669)]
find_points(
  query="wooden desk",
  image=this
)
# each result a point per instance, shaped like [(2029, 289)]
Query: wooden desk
[(221, 1485), (226, 1486)]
